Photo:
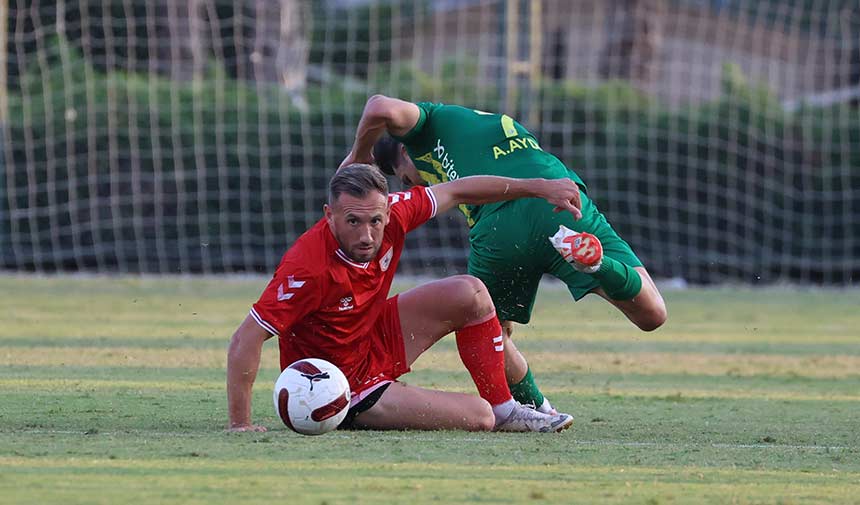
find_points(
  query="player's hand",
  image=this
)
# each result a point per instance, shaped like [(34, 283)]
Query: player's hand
[(351, 158), (242, 428), (564, 194)]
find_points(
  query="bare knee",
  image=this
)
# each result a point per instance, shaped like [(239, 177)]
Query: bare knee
[(652, 318), (483, 417), (652, 313), (470, 293)]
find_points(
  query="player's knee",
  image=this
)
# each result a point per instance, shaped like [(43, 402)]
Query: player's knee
[(484, 419), (474, 295), (653, 318)]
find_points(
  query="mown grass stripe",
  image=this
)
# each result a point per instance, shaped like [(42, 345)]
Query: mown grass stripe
[(312, 483), (643, 363), (499, 469), (138, 342), (530, 344), (395, 436), (671, 392), (646, 363)]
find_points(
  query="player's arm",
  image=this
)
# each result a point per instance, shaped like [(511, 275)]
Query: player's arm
[(243, 361), (481, 189), (381, 114)]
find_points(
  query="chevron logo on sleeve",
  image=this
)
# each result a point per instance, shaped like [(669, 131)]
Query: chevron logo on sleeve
[(292, 283)]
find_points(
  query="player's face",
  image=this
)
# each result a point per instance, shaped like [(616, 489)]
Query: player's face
[(358, 224), (405, 170)]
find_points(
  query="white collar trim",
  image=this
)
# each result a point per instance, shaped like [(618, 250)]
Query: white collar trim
[(342, 255)]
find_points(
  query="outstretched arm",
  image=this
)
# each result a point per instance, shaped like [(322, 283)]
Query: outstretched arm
[(481, 189), (243, 361), (381, 114)]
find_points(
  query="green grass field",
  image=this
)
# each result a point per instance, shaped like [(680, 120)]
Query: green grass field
[(112, 391)]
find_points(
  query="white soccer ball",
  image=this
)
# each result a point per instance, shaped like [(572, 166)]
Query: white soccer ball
[(312, 396)]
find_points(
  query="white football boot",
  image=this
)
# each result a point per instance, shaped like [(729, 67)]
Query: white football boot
[(525, 419), (546, 408)]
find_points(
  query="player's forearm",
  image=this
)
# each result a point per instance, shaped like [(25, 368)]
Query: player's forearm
[(481, 189), (477, 190), (243, 360)]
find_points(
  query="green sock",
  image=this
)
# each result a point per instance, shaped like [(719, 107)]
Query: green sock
[(620, 281), (526, 391)]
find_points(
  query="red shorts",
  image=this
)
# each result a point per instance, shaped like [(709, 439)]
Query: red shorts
[(387, 358), (380, 360)]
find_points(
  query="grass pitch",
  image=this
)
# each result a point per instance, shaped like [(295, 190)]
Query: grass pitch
[(112, 391)]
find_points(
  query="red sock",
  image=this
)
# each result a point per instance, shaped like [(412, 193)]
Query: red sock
[(482, 351)]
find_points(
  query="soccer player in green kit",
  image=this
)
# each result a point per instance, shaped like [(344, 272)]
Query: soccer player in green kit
[(511, 245)]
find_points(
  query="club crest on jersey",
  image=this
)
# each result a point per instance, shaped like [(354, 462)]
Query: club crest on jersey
[(345, 303), (385, 261)]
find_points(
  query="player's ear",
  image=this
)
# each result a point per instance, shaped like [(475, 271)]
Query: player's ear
[(387, 210), (329, 217)]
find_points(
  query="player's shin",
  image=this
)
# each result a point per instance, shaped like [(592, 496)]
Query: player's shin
[(482, 351), (520, 380), (526, 391)]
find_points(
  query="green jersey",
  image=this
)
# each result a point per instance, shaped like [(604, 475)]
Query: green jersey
[(450, 141)]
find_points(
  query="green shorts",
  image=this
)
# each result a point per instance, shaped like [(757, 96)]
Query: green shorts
[(510, 252)]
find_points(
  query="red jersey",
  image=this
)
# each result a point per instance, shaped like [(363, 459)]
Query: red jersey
[(321, 304)]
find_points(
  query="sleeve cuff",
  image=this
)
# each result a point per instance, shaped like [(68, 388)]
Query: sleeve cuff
[(433, 205), (422, 118), (262, 322)]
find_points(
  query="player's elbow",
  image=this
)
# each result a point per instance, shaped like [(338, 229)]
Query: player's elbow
[(374, 99), (391, 111), (377, 106)]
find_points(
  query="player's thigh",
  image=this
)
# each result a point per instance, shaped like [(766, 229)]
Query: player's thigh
[(435, 309), (512, 287), (510, 259), (403, 407), (511, 251)]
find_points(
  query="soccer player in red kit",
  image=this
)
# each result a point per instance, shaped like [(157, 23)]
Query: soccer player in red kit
[(329, 299)]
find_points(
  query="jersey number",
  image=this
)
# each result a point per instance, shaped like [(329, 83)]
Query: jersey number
[(507, 123)]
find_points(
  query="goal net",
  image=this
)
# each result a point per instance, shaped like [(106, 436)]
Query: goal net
[(721, 138)]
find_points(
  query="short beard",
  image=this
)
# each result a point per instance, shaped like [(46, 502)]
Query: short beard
[(349, 253), (357, 260)]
